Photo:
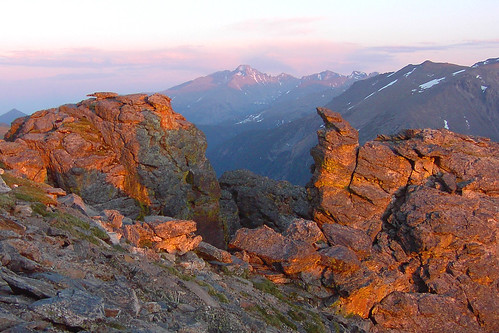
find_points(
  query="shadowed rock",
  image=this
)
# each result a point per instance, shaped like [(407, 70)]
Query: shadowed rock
[(25, 285), (262, 201)]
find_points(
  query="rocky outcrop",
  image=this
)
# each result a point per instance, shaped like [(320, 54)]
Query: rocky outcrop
[(258, 201), (412, 220), (131, 153)]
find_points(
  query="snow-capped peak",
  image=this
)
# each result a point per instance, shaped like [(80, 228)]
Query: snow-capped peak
[(245, 70), (357, 75)]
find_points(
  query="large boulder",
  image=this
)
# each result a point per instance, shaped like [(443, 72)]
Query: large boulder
[(276, 250), (132, 153), (71, 307), (412, 220), (162, 233)]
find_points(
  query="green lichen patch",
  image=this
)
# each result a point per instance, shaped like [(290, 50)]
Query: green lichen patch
[(172, 270), (85, 129), (220, 296), (314, 323), (273, 317)]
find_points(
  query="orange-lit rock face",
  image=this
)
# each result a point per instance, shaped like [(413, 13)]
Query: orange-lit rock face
[(412, 222), (132, 153)]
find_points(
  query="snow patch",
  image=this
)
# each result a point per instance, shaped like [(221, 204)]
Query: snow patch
[(409, 73), (455, 73), (430, 84), (369, 95), (446, 124), (467, 122), (483, 88), (389, 84), (252, 117), (390, 74)]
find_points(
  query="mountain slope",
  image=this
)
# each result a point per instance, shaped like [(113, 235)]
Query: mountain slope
[(226, 95), (429, 95), (282, 153)]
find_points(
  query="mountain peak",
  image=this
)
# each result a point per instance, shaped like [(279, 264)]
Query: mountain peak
[(358, 75), (13, 111), (11, 115), (245, 70)]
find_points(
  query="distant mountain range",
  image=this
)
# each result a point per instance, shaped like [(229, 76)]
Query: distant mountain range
[(246, 95), (429, 95)]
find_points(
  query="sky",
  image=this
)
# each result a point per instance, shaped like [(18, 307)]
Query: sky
[(54, 52)]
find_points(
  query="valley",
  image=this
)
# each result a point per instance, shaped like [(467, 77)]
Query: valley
[(276, 141)]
